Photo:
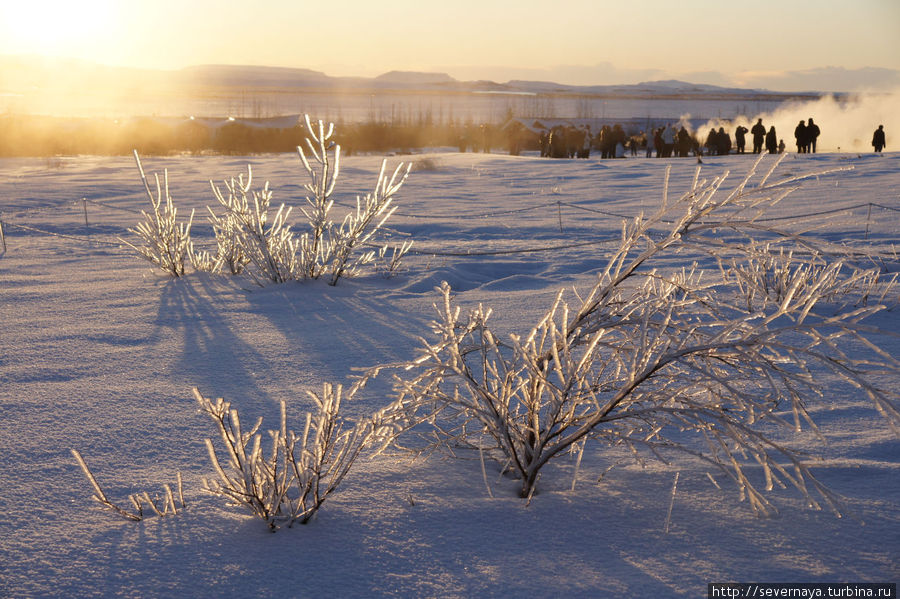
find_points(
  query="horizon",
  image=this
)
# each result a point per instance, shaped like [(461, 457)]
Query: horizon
[(57, 62), (850, 48)]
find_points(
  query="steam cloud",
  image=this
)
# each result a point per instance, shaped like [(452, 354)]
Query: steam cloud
[(847, 124)]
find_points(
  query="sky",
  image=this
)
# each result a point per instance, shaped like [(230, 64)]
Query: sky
[(783, 45)]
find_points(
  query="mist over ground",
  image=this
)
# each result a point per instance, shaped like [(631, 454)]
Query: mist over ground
[(847, 124)]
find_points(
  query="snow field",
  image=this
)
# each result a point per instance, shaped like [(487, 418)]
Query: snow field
[(99, 353)]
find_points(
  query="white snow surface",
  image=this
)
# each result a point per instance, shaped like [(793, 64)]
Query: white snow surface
[(99, 353)]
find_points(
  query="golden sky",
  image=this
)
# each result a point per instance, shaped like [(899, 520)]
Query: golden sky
[(568, 41)]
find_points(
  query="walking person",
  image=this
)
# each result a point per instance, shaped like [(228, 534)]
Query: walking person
[(878, 139), (759, 134), (812, 133)]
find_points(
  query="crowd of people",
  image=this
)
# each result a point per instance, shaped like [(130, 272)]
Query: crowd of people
[(567, 141)]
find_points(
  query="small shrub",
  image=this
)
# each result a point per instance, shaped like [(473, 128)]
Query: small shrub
[(289, 483), (166, 242), (253, 238)]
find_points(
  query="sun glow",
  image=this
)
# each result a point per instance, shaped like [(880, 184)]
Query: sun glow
[(57, 26)]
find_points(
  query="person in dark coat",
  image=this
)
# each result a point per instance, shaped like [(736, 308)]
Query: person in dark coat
[(812, 134), (800, 136), (772, 141), (724, 142), (739, 138), (659, 142), (683, 142), (712, 143), (618, 137), (574, 141), (759, 134), (587, 140), (878, 139), (545, 144), (557, 142)]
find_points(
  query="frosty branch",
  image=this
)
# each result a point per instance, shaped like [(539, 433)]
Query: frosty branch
[(160, 506)]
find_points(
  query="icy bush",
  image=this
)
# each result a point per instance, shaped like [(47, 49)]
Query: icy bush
[(230, 256), (288, 483), (166, 242), (660, 360), (389, 259), (329, 248), (771, 274), (252, 235), (256, 239), (361, 226)]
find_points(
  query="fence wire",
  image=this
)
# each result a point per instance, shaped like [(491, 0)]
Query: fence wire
[(553, 206)]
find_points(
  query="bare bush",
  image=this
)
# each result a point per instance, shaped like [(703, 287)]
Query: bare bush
[(323, 174), (770, 275), (166, 242), (291, 481), (360, 227), (660, 360)]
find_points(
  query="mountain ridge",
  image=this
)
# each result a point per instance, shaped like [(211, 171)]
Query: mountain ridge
[(26, 71)]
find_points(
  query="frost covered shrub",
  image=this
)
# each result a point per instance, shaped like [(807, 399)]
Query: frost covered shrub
[(770, 275), (328, 248), (166, 242), (230, 256), (288, 483), (257, 240), (389, 258), (248, 234), (661, 360)]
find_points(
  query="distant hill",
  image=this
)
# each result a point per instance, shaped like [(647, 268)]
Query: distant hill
[(33, 72), (414, 78), (251, 76)]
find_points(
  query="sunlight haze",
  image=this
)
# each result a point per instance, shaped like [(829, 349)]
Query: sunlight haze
[(784, 45)]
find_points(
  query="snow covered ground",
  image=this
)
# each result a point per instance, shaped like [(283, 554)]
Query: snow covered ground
[(99, 353)]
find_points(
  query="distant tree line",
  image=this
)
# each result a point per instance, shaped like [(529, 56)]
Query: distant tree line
[(49, 136)]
